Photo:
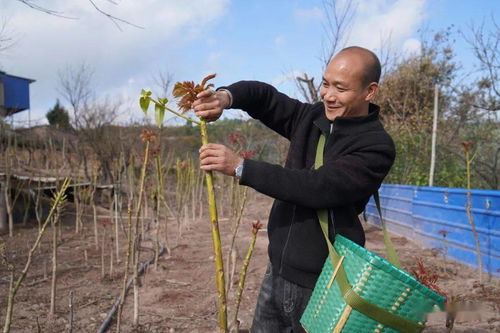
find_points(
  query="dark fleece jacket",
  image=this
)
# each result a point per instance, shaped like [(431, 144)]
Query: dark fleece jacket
[(358, 155)]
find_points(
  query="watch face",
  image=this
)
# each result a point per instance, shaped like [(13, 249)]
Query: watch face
[(238, 170)]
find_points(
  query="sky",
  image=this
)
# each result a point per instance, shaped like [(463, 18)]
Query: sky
[(265, 40)]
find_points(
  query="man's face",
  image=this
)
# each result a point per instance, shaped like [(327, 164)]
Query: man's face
[(343, 92)]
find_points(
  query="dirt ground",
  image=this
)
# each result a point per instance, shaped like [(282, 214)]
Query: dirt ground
[(180, 296)]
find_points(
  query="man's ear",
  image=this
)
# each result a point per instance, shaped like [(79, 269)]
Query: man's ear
[(372, 91)]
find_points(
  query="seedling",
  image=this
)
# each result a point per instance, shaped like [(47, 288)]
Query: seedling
[(187, 92), (256, 226), (126, 270), (147, 137), (467, 147), (426, 277), (238, 203)]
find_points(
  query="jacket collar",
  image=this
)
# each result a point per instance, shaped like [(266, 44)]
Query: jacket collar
[(349, 124)]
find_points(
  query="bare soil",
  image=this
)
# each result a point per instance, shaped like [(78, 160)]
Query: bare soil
[(180, 295)]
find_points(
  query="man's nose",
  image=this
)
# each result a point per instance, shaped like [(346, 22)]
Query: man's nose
[(330, 96)]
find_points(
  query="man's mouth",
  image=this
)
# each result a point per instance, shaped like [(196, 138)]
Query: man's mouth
[(333, 107)]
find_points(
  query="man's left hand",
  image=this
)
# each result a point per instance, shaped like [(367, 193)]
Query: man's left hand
[(216, 157)]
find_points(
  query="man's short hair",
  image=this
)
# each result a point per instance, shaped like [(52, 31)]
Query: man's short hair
[(373, 69)]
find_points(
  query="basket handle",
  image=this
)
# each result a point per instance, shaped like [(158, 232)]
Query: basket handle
[(349, 295), (392, 256)]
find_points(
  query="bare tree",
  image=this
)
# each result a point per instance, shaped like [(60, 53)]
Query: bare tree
[(76, 87), (338, 20), (478, 102), (485, 45), (6, 39), (387, 55), (92, 119), (99, 133), (163, 80), (308, 89), (336, 27)]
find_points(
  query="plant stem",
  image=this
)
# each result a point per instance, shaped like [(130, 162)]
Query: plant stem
[(159, 186), (70, 324), (53, 290), (96, 233), (94, 207), (78, 208), (175, 112), (138, 235), (235, 232), (445, 252), (219, 265), (115, 209), (243, 275), (470, 218), (125, 273), (103, 242)]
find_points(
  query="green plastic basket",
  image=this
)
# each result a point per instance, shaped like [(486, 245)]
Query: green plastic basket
[(374, 279)]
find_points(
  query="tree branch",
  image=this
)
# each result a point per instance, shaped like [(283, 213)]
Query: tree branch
[(114, 19), (42, 9)]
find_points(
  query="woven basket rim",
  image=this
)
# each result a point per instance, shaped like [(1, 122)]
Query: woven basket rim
[(378, 262)]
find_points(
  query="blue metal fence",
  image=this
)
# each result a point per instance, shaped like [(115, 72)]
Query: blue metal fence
[(424, 214)]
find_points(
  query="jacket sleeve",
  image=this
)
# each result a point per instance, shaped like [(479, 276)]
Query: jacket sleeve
[(263, 102), (341, 182)]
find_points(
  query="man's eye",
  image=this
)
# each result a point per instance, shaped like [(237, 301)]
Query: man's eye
[(341, 89), (325, 83)]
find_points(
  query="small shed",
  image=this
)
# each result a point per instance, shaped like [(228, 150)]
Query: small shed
[(14, 94)]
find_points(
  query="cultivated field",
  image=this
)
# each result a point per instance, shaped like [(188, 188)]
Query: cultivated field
[(180, 295)]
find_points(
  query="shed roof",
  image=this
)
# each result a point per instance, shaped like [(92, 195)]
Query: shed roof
[(18, 77)]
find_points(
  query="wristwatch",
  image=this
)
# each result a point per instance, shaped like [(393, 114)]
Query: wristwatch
[(229, 95), (238, 171)]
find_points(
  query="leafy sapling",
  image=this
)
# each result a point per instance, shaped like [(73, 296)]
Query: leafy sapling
[(187, 92)]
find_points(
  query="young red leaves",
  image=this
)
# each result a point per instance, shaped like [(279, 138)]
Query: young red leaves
[(426, 277), (188, 91)]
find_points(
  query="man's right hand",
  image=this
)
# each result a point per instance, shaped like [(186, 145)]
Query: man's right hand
[(210, 104)]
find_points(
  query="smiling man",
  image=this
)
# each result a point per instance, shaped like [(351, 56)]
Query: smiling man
[(358, 155)]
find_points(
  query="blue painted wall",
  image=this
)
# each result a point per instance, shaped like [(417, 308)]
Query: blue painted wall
[(16, 92), (420, 213)]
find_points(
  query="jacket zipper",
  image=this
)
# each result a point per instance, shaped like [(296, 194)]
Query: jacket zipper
[(331, 218), (328, 136), (286, 242), (291, 225)]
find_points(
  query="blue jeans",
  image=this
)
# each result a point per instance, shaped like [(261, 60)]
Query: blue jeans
[(279, 306)]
